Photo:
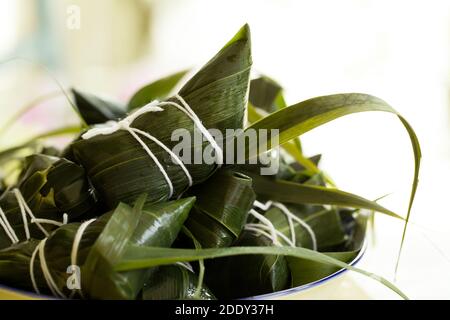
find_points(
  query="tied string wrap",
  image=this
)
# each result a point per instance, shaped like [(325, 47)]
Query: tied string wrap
[(125, 124), (10, 232), (40, 251), (267, 229), (26, 211)]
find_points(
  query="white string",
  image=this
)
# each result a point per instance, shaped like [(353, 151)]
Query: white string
[(43, 263), (125, 124), (155, 106), (49, 221), (290, 216), (76, 243), (155, 159), (260, 231), (186, 265), (25, 208), (23, 213), (7, 227), (33, 279), (263, 226), (288, 213), (173, 155), (268, 223), (77, 240), (292, 229), (45, 271), (47, 275), (204, 131)]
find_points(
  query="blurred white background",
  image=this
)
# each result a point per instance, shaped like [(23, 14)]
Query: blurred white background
[(397, 50)]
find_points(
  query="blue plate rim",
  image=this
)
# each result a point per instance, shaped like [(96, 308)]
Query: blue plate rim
[(310, 285)]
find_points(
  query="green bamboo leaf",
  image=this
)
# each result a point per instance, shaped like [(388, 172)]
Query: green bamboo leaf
[(221, 209), (226, 63), (201, 263), (15, 265), (103, 242), (51, 187), (15, 260), (253, 114), (307, 271), (307, 115), (66, 130), (266, 95), (295, 151), (70, 190), (95, 110), (139, 257), (150, 225), (174, 282), (325, 224), (247, 275), (12, 153), (293, 147), (159, 89), (263, 93), (218, 92), (291, 192), (119, 167)]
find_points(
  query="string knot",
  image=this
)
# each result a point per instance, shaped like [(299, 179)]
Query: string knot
[(155, 106), (112, 126)]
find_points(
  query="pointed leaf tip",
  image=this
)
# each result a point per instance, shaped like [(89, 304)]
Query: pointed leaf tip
[(188, 201), (242, 34)]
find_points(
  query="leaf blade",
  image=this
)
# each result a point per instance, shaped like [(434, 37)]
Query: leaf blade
[(291, 192), (153, 256), (158, 89), (309, 114)]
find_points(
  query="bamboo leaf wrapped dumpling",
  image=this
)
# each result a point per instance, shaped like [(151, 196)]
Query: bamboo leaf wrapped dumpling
[(100, 242), (65, 187), (221, 209), (121, 167), (318, 229), (48, 187), (299, 224), (174, 282), (156, 224), (310, 226), (304, 271), (247, 275)]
